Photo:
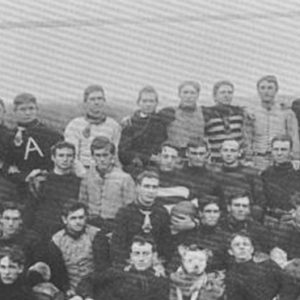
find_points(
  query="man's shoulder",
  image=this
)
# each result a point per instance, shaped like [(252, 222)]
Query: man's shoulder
[(78, 121), (112, 122), (118, 173)]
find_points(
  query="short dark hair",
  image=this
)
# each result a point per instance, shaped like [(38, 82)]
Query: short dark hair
[(198, 142), (147, 174), (62, 145), (142, 240), (220, 83), (239, 193), (24, 98), (91, 89), (102, 142), (147, 89), (205, 200), (282, 138), (10, 205), (14, 253), (268, 78), (73, 205), (170, 145), (232, 140), (241, 233), (195, 84)]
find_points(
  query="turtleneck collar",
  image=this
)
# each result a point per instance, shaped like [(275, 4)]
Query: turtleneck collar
[(31, 124), (231, 169), (95, 120), (189, 109), (286, 166)]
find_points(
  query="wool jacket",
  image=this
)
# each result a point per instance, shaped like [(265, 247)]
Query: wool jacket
[(141, 138)]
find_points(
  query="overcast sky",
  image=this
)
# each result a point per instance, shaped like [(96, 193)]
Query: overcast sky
[(54, 49)]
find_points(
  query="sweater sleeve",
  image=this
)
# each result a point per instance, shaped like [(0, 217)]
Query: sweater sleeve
[(292, 130), (101, 252)]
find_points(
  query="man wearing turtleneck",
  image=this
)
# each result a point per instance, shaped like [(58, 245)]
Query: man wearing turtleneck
[(29, 146), (280, 180), (143, 217), (233, 177), (59, 185), (82, 130), (238, 219), (250, 280), (143, 134), (225, 121), (186, 121)]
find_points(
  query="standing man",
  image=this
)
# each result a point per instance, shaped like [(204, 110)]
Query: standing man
[(106, 187), (29, 146), (224, 120), (82, 130), (142, 136), (186, 121), (270, 120)]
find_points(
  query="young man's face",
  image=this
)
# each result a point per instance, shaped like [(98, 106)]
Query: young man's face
[(95, 104), (241, 249), (75, 222), (267, 91), (141, 256), (188, 96), (11, 221), (147, 191), (281, 151), (147, 103), (230, 152), (26, 112), (224, 95), (63, 159), (197, 156), (168, 159), (103, 159), (210, 214), (9, 270), (239, 208)]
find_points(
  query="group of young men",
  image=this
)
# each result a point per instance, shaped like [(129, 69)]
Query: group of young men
[(101, 211)]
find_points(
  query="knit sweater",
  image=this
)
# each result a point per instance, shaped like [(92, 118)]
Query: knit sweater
[(224, 122), (16, 291), (47, 208), (183, 125), (129, 222), (280, 182), (35, 149)]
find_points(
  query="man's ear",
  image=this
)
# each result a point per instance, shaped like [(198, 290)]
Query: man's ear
[(52, 157), (230, 252), (21, 269), (64, 220)]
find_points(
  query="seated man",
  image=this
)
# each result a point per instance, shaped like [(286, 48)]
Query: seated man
[(12, 287), (49, 195), (238, 219), (106, 188), (142, 278), (249, 280), (142, 217), (29, 146), (199, 177), (82, 130), (77, 250), (142, 136), (12, 233), (234, 177), (280, 181), (173, 187)]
